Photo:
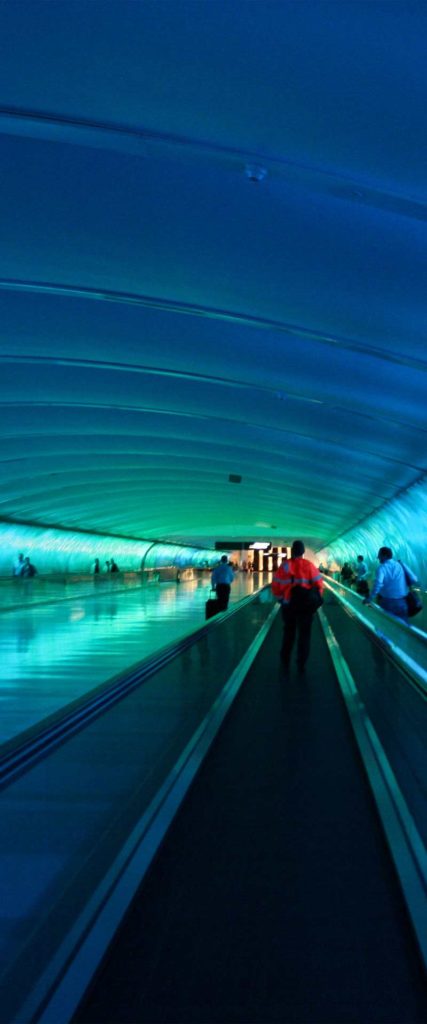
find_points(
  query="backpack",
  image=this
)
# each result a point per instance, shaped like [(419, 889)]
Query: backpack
[(304, 600)]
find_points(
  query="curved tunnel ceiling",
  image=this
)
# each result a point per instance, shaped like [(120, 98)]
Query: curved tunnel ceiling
[(213, 262)]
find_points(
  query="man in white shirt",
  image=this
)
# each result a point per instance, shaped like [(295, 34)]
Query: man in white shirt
[(391, 583)]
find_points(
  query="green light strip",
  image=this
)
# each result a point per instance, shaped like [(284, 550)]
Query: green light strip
[(65, 551)]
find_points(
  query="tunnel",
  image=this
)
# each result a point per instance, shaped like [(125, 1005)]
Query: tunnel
[(212, 294)]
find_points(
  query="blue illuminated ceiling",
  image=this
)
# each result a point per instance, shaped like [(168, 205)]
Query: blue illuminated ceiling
[(165, 320)]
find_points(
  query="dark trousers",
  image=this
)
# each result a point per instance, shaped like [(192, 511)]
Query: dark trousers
[(223, 594), (362, 588), (296, 621)]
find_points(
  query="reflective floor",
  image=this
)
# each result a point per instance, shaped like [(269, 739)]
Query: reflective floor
[(53, 653)]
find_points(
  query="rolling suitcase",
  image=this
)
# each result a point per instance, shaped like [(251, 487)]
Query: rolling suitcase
[(211, 606)]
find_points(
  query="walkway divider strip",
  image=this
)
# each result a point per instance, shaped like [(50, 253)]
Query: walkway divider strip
[(406, 846), (59, 990)]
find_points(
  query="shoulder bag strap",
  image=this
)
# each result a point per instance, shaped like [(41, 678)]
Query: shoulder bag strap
[(407, 580)]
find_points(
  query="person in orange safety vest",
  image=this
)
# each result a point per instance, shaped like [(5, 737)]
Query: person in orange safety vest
[(298, 585)]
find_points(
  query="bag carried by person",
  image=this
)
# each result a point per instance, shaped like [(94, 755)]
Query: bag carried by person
[(362, 588), (316, 599), (413, 599), (211, 606), (306, 600), (414, 603)]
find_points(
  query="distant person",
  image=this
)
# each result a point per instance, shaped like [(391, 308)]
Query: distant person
[(18, 568), (29, 569), (298, 585), (96, 567), (347, 574), (361, 578), (391, 584), (178, 576), (222, 578), (113, 566)]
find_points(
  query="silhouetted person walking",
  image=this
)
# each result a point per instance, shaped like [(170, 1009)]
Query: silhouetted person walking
[(18, 568), (298, 585), (361, 577), (29, 569), (222, 578)]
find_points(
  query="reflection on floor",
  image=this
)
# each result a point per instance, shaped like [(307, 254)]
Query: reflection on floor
[(52, 654)]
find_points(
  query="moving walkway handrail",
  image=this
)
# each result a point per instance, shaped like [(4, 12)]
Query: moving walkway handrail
[(23, 751), (359, 597), (415, 671), (404, 840)]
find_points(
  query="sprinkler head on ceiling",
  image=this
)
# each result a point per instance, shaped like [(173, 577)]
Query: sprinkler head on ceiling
[(254, 172)]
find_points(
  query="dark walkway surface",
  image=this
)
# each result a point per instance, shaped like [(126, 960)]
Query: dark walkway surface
[(273, 898)]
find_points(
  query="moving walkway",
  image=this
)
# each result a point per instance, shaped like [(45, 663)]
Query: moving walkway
[(278, 891)]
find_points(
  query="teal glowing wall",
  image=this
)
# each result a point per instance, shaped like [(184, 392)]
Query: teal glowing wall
[(63, 551), (174, 554), (400, 525)]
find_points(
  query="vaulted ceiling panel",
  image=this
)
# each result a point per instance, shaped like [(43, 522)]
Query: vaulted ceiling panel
[(213, 261)]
